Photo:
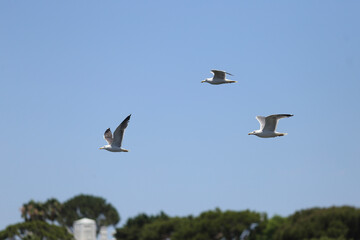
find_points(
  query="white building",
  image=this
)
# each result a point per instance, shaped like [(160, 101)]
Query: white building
[(85, 229), (103, 233)]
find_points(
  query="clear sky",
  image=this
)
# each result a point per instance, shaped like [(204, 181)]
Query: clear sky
[(71, 69)]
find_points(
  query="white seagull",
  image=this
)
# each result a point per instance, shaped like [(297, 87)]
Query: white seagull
[(268, 126), (114, 143), (218, 78)]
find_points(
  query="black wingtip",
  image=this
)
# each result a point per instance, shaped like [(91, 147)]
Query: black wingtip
[(127, 119), (107, 130)]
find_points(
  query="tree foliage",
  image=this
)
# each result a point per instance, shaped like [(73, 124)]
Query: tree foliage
[(89, 206), (33, 211), (35, 230), (335, 223), (132, 230), (209, 225), (321, 223), (217, 225), (271, 226), (159, 229), (66, 213)]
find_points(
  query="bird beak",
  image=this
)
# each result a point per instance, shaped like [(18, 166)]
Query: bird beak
[(202, 81), (249, 133)]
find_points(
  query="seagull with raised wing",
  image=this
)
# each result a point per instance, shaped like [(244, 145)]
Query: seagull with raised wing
[(114, 142), (218, 78), (268, 126)]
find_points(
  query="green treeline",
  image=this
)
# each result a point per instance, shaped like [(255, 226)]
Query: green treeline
[(52, 220), (321, 223), (208, 225), (338, 223)]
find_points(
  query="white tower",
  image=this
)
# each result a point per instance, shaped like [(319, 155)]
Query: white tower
[(103, 233), (85, 229)]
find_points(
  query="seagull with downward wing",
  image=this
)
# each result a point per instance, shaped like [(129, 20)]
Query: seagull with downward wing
[(268, 126), (218, 78)]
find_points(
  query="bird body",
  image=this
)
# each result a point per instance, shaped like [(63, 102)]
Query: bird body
[(218, 78), (114, 142), (267, 134), (114, 148), (268, 126)]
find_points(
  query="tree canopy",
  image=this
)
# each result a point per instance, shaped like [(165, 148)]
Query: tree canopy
[(64, 214), (134, 226), (51, 220), (208, 225), (50, 210), (335, 223), (89, 206), (321, 223), (35, 230)]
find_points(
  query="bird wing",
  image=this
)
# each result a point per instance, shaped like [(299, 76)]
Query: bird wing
[(119, 132), (272, 120), (220, 74), (261, 120), (108, 136)]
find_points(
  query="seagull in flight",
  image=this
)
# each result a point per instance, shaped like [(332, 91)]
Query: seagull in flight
[(218, 78), (114, 143), (268, 126)]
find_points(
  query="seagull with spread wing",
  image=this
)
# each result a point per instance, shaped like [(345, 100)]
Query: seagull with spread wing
[(114, 143), (218, 78), (268, 126)]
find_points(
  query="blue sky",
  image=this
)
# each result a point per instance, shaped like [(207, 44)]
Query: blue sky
[(71, 69)]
